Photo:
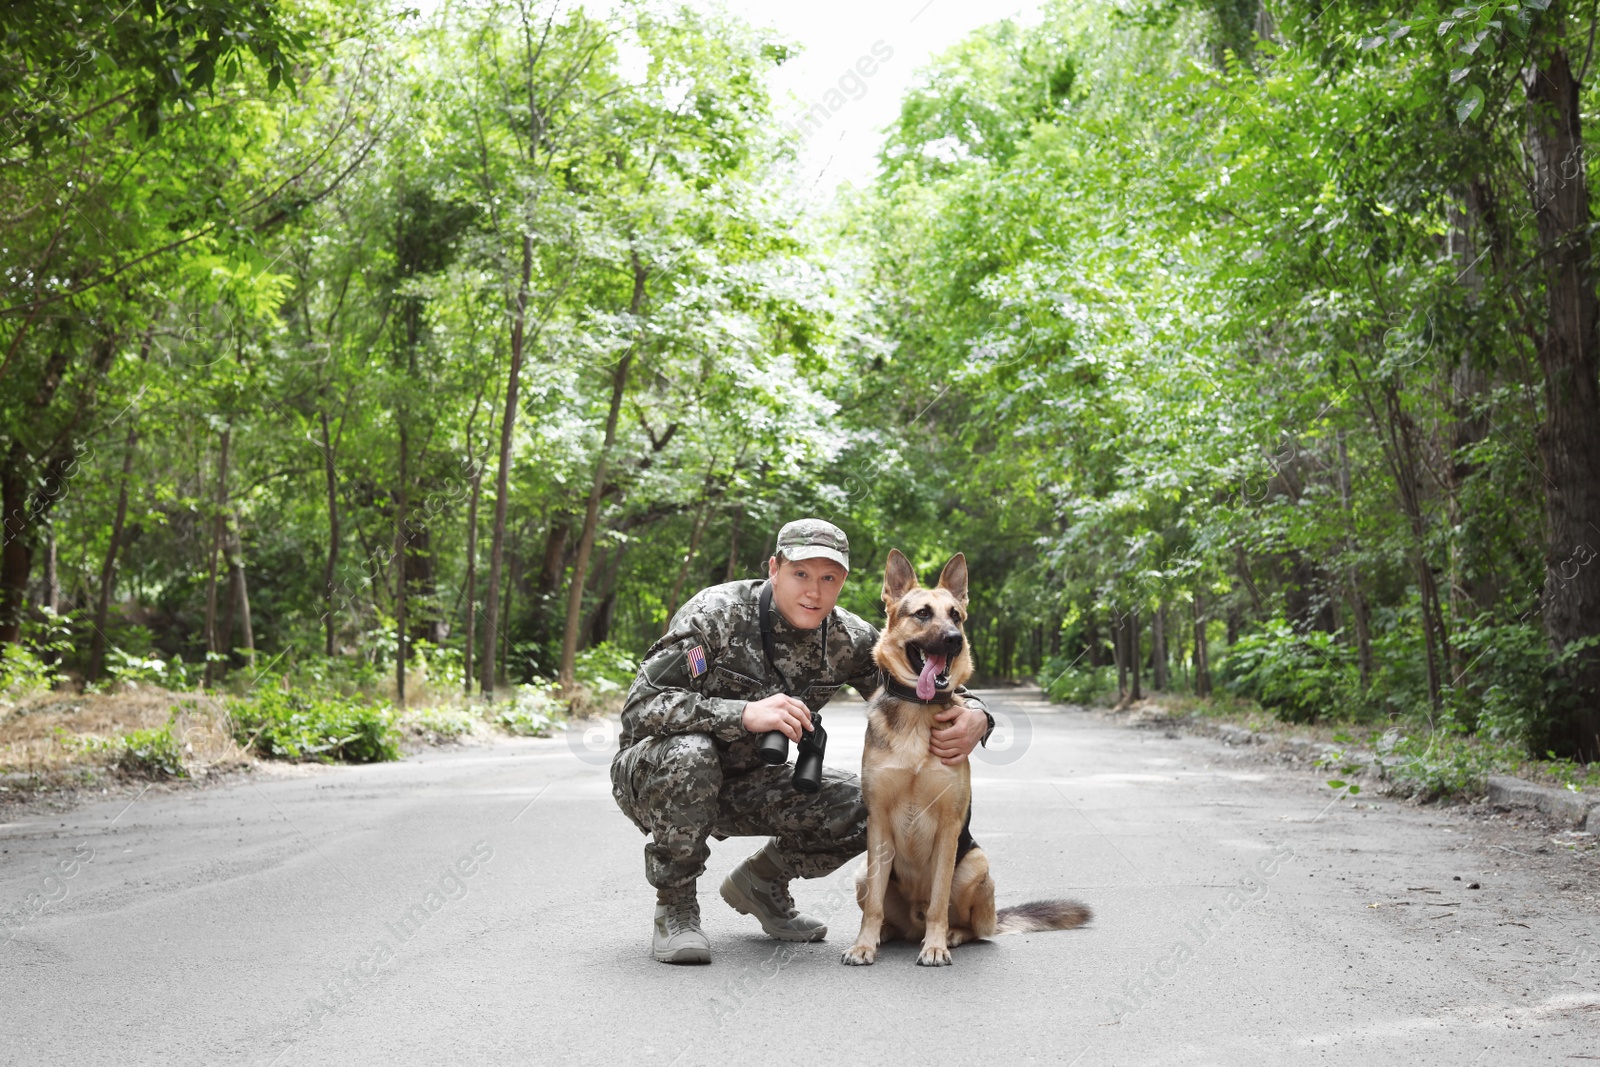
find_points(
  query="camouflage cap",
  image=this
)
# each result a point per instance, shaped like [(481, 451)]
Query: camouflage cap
[(814, 539)]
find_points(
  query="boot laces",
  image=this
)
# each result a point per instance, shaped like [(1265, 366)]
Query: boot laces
[(682, 915), (778, 893)]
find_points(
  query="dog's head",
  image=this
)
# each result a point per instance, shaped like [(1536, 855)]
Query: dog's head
[(923, 644)]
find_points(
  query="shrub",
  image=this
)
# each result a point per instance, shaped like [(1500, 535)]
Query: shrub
[(435, 666), (152, 753), (605, 668), (22, 674), (292, 724), (1300, 676), (129, 670), (23, 667), (445, 724), (533, 712), (1445, 763), (1516, 660), (1072, 685), (341, 675)]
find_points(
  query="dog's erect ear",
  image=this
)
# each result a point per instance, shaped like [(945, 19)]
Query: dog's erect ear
[(954, 577), (898, 577)]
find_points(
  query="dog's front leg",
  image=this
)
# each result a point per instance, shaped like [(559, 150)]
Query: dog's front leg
[(936, 942), (874, 884)]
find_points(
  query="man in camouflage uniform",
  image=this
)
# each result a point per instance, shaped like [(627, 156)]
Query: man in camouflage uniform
[(705, 694)]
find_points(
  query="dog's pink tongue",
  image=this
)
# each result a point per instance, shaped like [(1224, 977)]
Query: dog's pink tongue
[(931, 666)]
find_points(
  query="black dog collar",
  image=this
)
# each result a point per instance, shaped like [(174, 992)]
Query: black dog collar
[(907, 693)]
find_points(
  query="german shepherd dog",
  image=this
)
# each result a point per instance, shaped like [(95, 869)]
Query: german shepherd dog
[(925, 877)]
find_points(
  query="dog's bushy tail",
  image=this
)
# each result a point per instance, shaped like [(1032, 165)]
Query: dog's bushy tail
[(1041, 915)]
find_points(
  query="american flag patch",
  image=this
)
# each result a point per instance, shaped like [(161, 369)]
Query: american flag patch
[(697, 661)]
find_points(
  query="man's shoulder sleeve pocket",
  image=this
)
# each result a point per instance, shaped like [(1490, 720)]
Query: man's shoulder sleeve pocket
[(670, 667)]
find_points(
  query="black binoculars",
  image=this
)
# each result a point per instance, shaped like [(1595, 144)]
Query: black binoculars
[(774, 749)]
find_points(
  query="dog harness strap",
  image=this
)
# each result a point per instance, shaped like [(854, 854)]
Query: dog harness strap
[(769, 644)]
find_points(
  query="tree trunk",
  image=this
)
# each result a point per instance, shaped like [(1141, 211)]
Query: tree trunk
[(472, 575), (497, 534), (1569, 439), (213, 646), (1134, 690), (733, 548), (1202, 652), (1396, 429), (591, 520), (1352, 580), (598, 628), (52, 576), (108, 570), (402, 521), (1158, 649), (554, 561), (591, 517), (230, 602), (242, 591), (329, 568), (1472, 586), (1242, 561), (548, 606), (701, 516), (16, 558), (31, 484), (1119, 646), (1178, 651), (505, 625)]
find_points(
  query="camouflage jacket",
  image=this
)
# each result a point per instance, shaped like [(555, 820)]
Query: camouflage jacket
[(710, 663)]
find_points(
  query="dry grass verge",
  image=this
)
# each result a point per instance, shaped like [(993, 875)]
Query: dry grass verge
[(54, 733)]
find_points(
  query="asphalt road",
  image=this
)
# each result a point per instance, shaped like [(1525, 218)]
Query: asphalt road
[(1240, 918)]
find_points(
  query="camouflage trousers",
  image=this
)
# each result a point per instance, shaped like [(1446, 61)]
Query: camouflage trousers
[(676, 790)]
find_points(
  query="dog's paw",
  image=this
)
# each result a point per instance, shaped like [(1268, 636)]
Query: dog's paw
[(859, 956), (933, 956)]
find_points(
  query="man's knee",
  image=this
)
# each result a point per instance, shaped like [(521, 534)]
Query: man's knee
[(843, 812), (832, 830), (688, 750), (676, 782)]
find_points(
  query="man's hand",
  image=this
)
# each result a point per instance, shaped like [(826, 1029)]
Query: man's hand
[(782, 712), (962, 730)]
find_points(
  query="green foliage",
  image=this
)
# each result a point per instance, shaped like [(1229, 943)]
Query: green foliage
[(1302, 677), (337, 675), (440, 667), (1569, 773), (1148, 313), (1514, 661), (29, 666), (22, 674), (159, 54), (606, 668), (533, 712), (153, 753), (1447, 762), (441, 723), (1069, 684), (295, 725), (130, 670)]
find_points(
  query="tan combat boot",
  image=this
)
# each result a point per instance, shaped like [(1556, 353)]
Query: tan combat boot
[(760, 886), (677, 935)]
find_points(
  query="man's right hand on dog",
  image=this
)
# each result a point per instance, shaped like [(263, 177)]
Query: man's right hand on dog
[(777, 712)]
